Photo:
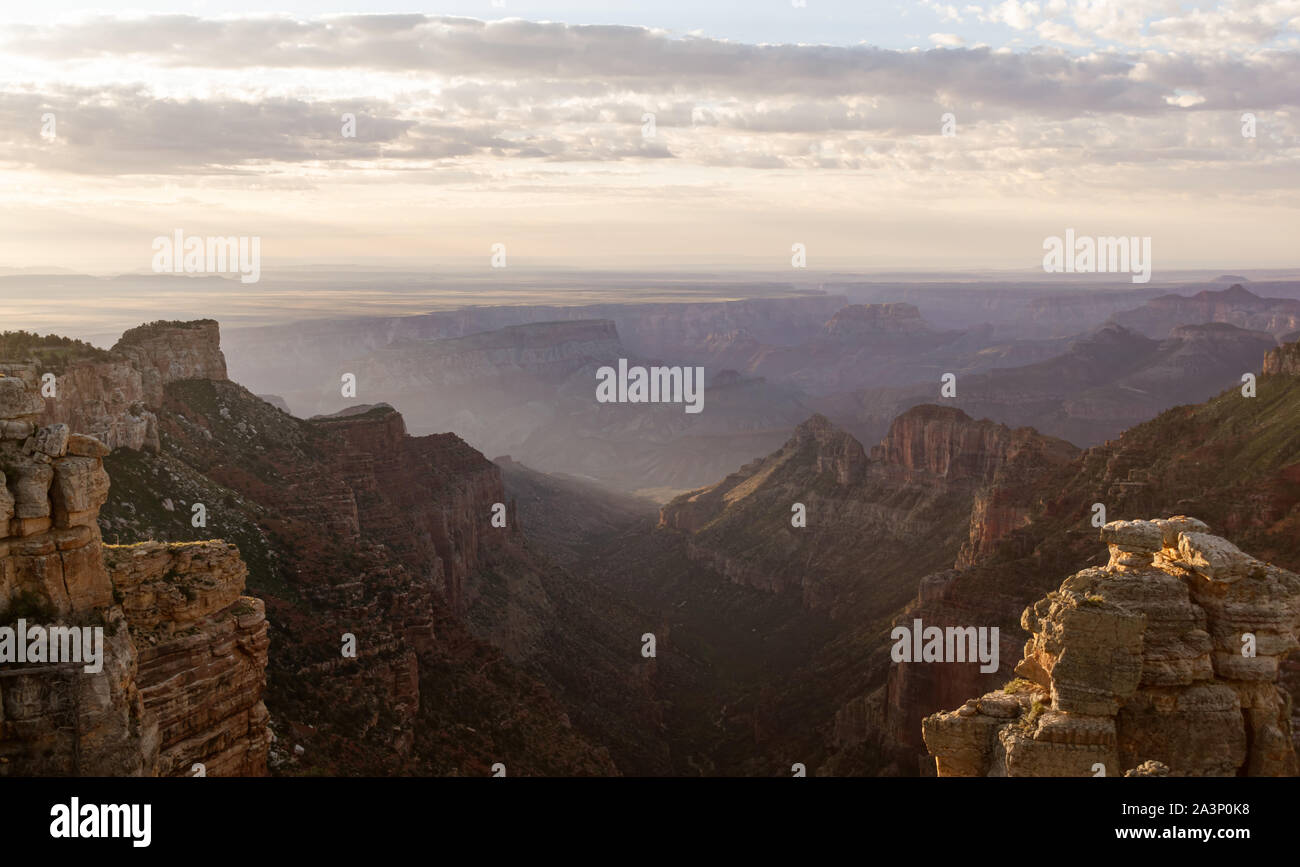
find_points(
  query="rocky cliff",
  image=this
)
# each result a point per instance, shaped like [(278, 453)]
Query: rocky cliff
[(1284, 361), (1169, 653), (164, 698), (1231, 460), (939, 487), (370, 548), (114, 396), (202, 652), (865, 320), (425, 498)]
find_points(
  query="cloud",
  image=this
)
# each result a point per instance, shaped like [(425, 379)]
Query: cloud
[(947, 40)]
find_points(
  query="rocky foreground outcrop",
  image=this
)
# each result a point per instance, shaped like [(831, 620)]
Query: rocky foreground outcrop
[(202, 653), (1168, 654), (184, 654)]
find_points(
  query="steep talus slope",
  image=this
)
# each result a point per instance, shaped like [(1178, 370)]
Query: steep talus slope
[(351, 532), (940, 487), (843, 704)]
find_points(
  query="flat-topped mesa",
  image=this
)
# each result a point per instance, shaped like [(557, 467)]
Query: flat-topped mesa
[(1168, 654), (112, 395), (858, 320)]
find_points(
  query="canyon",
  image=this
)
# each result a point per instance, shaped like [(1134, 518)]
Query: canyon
[(771, 589)]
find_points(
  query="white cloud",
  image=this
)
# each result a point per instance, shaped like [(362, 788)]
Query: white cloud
[(947, 40)]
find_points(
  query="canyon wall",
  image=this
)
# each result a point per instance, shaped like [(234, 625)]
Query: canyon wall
[(938, 489), (115, 398), (57, 718), (202, 653), (184, 653)]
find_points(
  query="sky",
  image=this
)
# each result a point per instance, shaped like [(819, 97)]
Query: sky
[(624, 135)]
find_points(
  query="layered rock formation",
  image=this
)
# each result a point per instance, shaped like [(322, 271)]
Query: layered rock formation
[(863, 320), (286, 360), (1170, 653), (202, 653), (351, 527), (115, 397), (165, 697), (59, 719), (436, 526), (1285, 360), (938, 488), (1235, 305)]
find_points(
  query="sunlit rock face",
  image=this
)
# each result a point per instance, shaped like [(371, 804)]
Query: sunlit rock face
[(1169, 654)]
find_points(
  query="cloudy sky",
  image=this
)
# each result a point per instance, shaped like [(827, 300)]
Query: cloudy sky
[(528, 124)]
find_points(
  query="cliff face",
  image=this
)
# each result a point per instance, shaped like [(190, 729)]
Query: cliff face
[(543, 351), (1285, 360), (61, 719), (863, 320), (351, 527), (115, 397), (1170, 653), (940, 487), (202, 653), (58, 719), (425, 498)]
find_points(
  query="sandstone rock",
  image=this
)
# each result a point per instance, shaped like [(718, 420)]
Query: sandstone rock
[(86, 446), (80, 488), (1146, 666), (184, 666), (16, 430), (17, 401), (1171, 527), (1215, 558), (1133, 536), (52, 440), (1148, 769), (29, 480)]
